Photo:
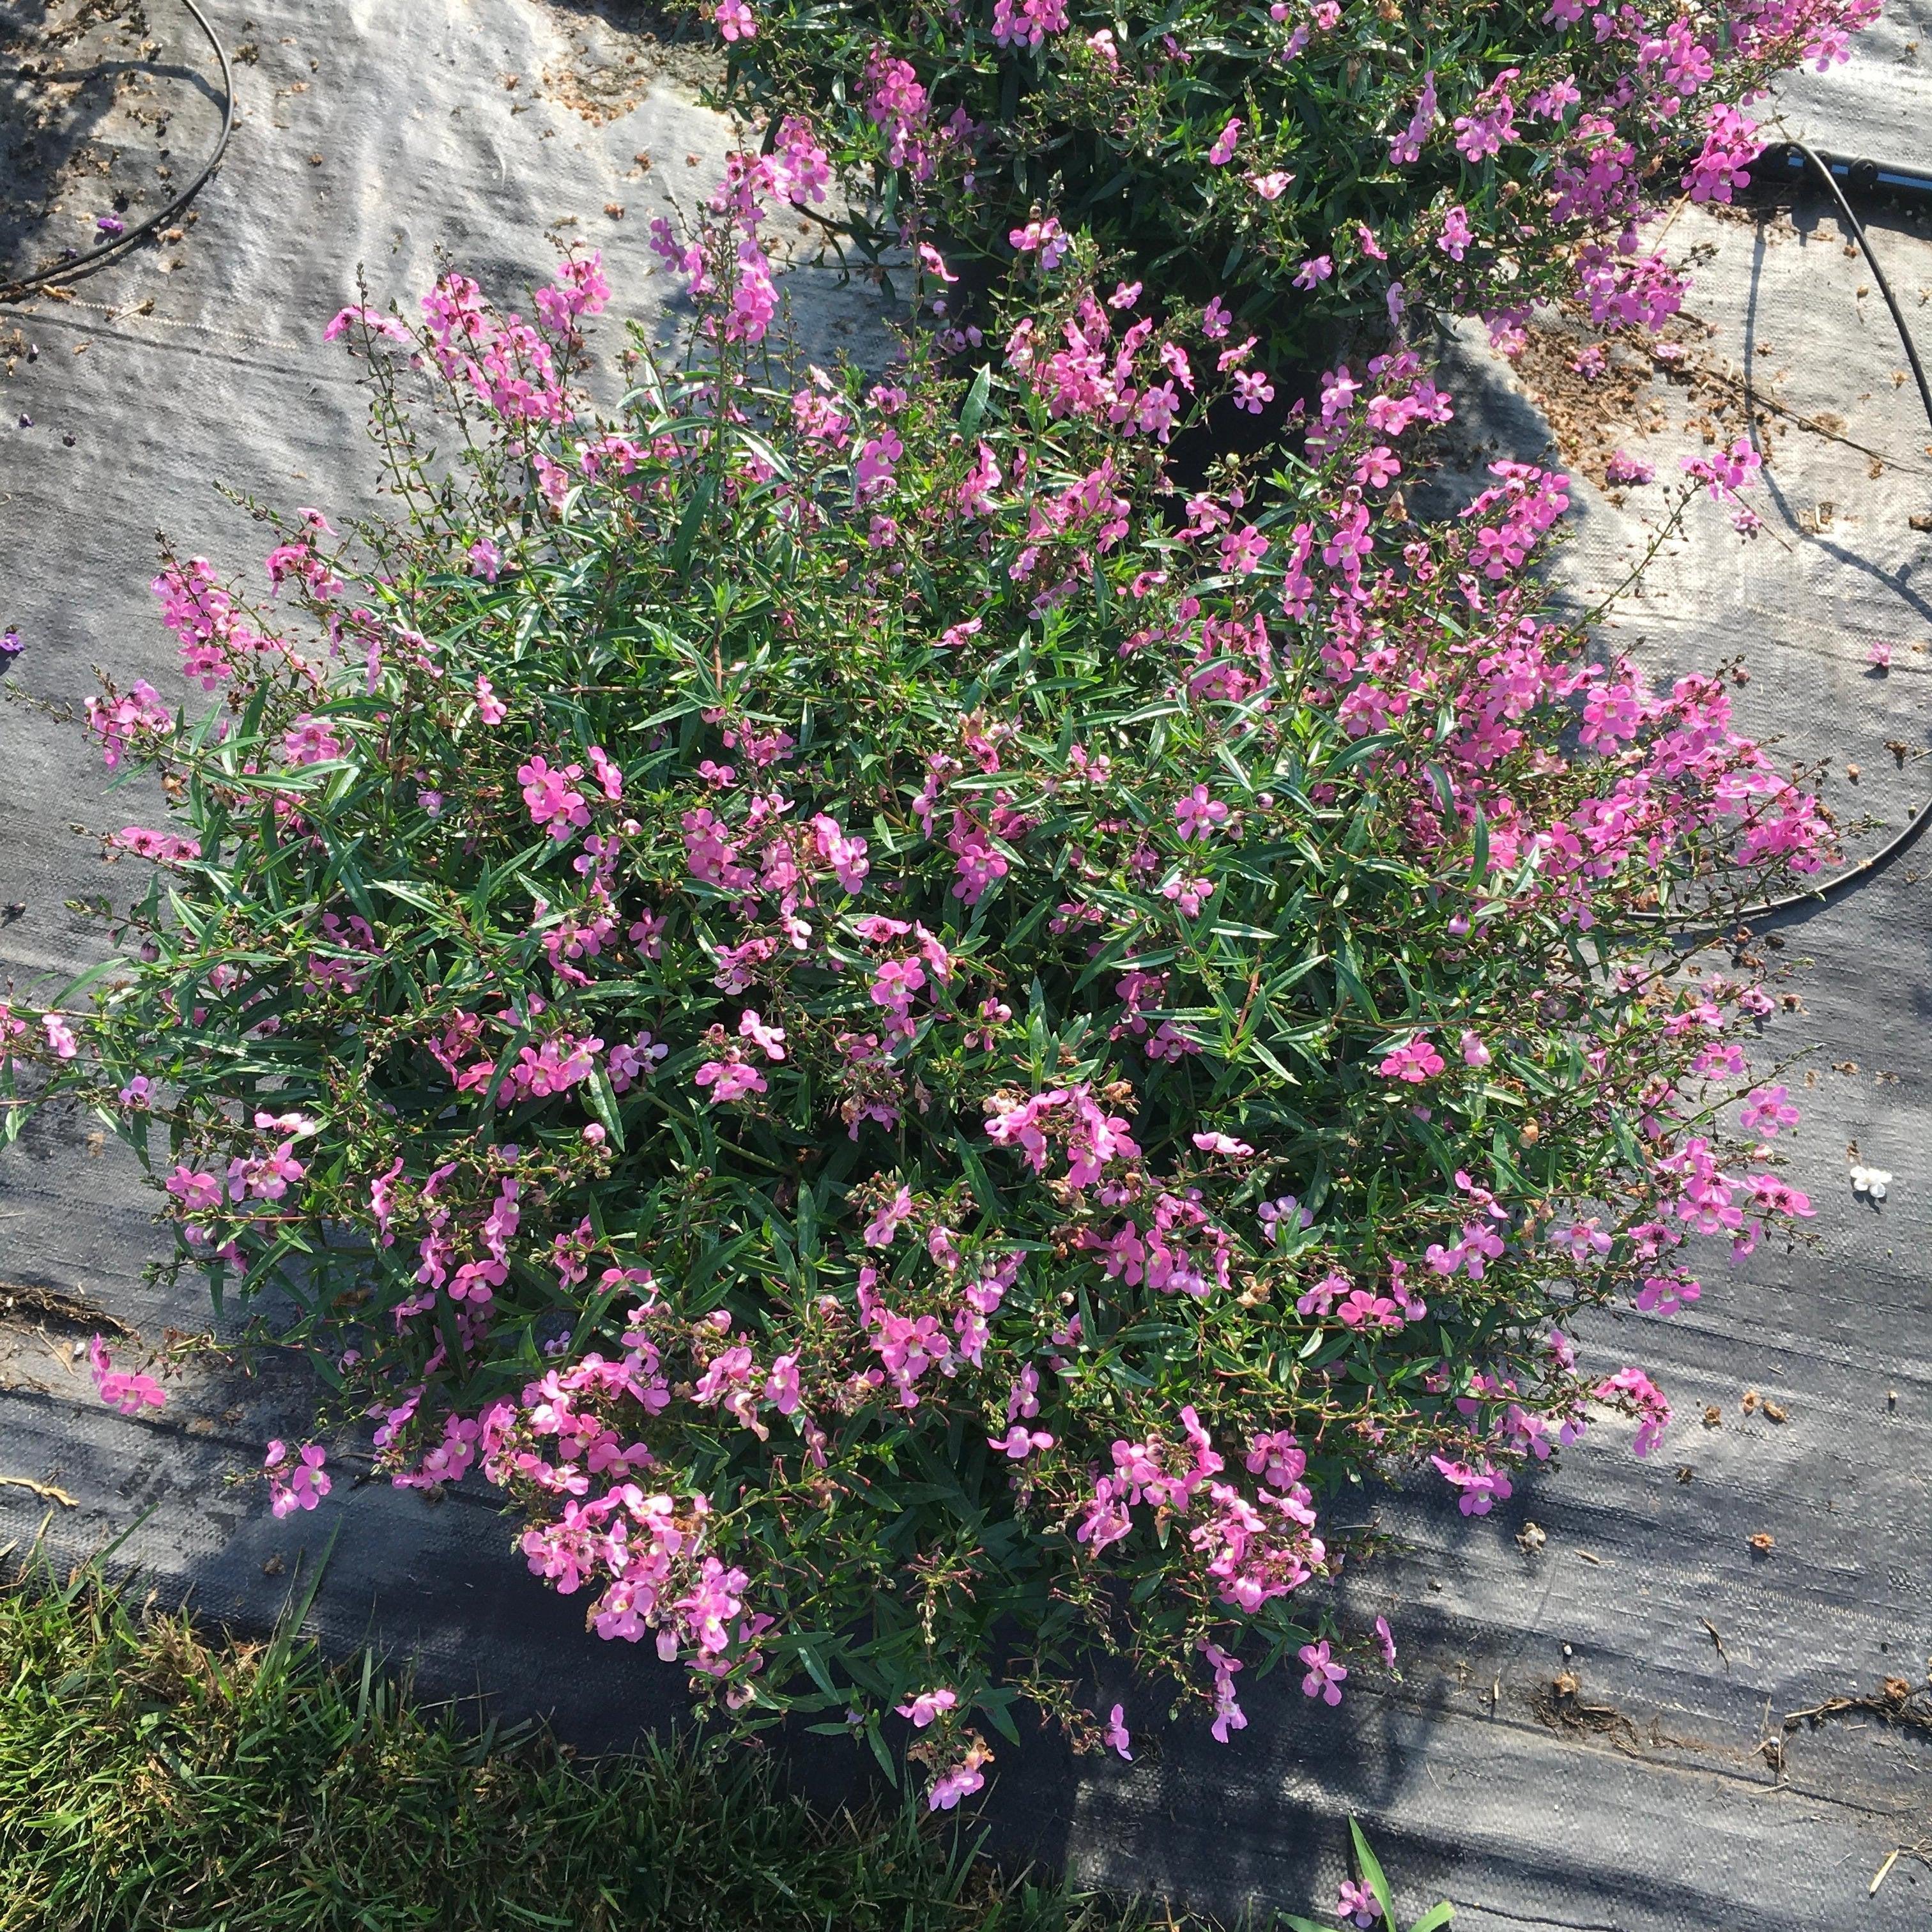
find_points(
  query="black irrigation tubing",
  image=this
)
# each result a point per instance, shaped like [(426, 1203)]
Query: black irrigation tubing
[(95, 258), (1787, 161), (1870, 177)]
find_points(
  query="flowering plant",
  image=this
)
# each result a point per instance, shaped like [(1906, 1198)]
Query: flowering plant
[(1327, 162), (900, 1039)]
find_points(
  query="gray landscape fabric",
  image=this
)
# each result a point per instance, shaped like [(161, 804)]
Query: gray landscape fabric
[(1589, 1727)]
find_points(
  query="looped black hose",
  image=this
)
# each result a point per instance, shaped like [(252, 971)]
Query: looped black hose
[(1840, 883), (95, 258), (1857, 227)]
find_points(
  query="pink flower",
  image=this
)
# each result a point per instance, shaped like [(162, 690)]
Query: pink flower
[(1356, 1905), (606, 773), (1387, 1638), (1225, 142), (1631, 1389), (1361, 1309), (1406, 147), (309, 741), (1228, 1714), (1730, 145), (370, 319), (1666, 1294), (926, 1706), (646, 933), (782, 1387), (60, 1037), (1023, 1398), (306, 1483), (1047, 236), (1456, 233), (873, 473), (196, 1191), (1879, 656), (771, 1038), (1242, 551), (1415, 1061), (735, 20), (1582, 1240), (552, 796), (1316, 268), (1766, 1109), (1379, 467), (1198, 815), (964, 1779), (1027, 23), (1622, 469), (119, 1388), (886, 1224), (1325, 1676), (1219, 1143), (800, 170), (1271, 187), (1729, 472), (486, 560), (895, 982), (1214, 319), (1481, 1489), (1019, 1442), (489, 708), (166, 848), (1484, 131), (1118, 1734), (1251, 390), (1282, 1214), (1475, 1053), (730, 1080), (1548, 103)]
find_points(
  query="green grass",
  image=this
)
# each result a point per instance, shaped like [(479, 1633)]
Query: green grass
[(151, 1778)]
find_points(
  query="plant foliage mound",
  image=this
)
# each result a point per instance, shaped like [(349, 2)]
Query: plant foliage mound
[(925, 1050), (1327, 163)]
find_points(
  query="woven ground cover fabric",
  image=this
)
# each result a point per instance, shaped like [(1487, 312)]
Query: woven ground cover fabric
[(1592, 1675)]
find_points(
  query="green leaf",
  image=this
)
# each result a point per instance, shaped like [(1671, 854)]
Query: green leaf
[(75, 987), (690, 523), (1372, 1872), (604, 1104), (974, 406), (1435, 1917), (886, 1761), (1001, 1720)]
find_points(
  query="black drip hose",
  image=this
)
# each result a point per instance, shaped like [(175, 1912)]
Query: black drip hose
[(95, 258), (1789, 161), (1865, 868)]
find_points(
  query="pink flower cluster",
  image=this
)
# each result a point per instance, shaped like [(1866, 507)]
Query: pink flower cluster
[(296, 1483), (120, 1388)]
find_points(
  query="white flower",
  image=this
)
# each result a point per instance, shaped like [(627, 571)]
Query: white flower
[(1871, 1181)]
